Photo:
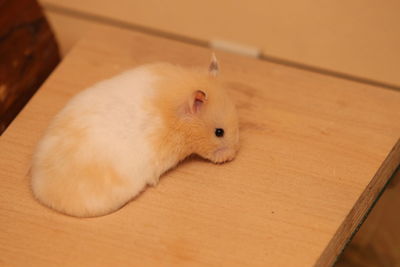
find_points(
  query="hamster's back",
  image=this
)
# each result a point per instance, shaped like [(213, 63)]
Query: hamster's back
[(95, 154)]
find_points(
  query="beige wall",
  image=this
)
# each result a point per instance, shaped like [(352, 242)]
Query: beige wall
[(359, 38)]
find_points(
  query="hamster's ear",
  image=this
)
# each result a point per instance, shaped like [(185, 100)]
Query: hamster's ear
[(196, 101), (213, 69)]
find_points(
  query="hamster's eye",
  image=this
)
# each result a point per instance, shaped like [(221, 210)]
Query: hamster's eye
[(219, 132)]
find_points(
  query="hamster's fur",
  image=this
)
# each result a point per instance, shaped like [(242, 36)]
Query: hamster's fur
[(113, 139)]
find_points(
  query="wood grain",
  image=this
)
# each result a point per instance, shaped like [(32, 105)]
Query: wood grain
[(28, 53), (315, 150)]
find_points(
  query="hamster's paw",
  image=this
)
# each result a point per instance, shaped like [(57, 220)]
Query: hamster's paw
[(154, 181), (222, 155)]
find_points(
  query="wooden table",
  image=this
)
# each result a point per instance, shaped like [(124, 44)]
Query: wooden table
[(315, 153)]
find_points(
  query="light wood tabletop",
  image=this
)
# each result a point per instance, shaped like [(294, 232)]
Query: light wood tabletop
[(315, 153)]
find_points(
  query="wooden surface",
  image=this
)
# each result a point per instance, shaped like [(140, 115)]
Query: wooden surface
[(358, 38), (377, 243), (28, 53), (315, 152)]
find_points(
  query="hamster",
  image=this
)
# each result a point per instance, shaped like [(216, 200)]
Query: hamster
[(113, 139)]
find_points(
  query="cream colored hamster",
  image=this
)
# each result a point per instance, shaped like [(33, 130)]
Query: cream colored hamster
[(113, 139)]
